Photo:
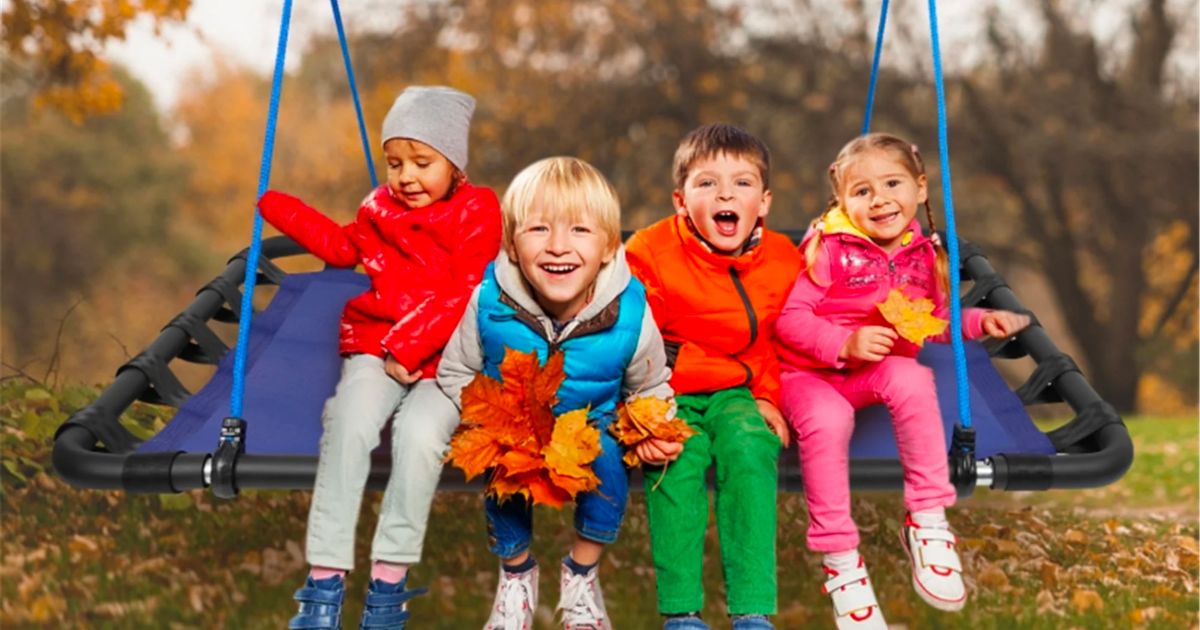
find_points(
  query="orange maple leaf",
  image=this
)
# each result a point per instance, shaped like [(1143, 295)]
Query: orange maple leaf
[(913, 319), (509, 426), (643, 418), (474, 450)]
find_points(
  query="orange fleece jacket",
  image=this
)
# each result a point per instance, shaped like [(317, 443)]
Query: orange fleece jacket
[(720, 310)]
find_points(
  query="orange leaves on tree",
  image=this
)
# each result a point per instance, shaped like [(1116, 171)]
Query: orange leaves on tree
[(643, 418), (913, 319), (509, 426)]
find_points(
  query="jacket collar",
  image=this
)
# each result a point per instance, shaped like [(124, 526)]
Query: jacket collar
[(836, 221)]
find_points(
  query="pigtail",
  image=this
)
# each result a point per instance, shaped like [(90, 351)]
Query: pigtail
[(812, 248), (816, 229), (941, 266)]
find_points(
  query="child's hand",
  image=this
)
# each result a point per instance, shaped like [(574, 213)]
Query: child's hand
[(1003, 324), (397, 371), (869, 343), (775, 420), (657, 452)]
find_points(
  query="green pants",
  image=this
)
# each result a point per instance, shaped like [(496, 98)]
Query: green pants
[(734, 436)]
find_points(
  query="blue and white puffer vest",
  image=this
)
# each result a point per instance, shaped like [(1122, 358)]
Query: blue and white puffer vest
[(597, 351)]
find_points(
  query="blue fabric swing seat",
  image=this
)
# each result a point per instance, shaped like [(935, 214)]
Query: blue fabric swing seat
[(292, 367)]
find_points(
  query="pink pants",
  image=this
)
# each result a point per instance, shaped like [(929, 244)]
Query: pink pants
[(820, 407)]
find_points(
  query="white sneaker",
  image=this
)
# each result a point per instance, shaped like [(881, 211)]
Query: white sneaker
[(582, 602), (936, 569), (516, 599), (854, 603)]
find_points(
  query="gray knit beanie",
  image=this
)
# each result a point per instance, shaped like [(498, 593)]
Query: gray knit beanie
[(436, 115)]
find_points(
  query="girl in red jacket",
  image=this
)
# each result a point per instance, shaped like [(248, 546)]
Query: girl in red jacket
[(839, 354), (424, 240)]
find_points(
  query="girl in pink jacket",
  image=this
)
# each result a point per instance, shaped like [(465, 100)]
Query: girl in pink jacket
[(839, 354)]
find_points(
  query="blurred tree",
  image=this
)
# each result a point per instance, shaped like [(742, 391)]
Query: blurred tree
[(1094, 151), (78, 200), (59, 43), (618, 82)]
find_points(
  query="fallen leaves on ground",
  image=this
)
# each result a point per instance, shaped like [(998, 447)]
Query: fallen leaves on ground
[(509, 427)]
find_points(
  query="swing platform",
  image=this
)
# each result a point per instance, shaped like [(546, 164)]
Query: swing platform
[(292, 367)]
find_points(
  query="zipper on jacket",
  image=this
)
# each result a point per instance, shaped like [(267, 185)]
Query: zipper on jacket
[(737, 283)]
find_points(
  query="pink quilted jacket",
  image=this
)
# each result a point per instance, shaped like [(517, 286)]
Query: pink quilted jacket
[(854, 274)]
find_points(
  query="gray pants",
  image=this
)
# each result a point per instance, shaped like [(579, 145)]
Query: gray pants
[(423, 420)]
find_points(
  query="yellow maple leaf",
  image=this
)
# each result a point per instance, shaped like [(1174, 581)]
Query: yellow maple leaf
[(913, 319), (573, 447)]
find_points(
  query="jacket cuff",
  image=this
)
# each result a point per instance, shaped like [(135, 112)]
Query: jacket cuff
[(829, 344)]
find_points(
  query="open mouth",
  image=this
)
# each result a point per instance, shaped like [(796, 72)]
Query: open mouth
[(558, 270), (726, 222)]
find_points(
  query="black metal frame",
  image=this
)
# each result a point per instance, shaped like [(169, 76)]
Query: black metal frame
[(93, 450)]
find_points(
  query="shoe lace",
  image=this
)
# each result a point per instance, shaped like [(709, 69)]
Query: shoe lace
[(515, 594), (579, 606)]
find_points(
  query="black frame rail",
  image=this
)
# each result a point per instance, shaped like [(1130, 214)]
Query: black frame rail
[(93, 450)]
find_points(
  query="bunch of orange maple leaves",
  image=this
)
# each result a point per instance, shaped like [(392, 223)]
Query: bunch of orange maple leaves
[(509, 427)]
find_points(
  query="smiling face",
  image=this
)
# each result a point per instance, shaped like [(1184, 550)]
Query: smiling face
[(417, 174), (724, 196), (881, 195), (560, 256)]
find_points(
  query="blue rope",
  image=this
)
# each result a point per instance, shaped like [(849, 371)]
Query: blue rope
[(362, 127), (960, 359), (264, 177), (883, 11)]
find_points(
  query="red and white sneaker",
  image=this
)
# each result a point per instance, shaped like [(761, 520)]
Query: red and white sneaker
[(936, 568), (516, 600), (854, 603)]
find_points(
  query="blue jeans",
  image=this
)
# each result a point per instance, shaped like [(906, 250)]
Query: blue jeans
[(598, 514)]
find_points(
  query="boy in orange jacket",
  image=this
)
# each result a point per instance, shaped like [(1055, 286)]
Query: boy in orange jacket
[(716, 280)]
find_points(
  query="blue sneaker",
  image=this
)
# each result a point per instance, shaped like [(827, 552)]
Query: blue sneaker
[(751, 622), (320, 604), (386, 606), (685, 622)]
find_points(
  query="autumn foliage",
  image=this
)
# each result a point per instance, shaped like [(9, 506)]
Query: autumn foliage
[(646, 418), (509, 426), (913, 319)]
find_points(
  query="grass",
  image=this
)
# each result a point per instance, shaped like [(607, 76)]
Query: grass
[(1121, 556)]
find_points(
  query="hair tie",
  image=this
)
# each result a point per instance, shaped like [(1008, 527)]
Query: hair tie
[(820, 226), (937, 239)]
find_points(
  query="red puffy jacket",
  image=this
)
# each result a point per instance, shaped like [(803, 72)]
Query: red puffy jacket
[(423, 265)]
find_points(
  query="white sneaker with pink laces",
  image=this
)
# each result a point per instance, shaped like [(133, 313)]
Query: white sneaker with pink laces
[(854, 603), (936, 568)]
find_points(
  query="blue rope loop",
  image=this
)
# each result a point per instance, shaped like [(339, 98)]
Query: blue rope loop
[(237, 395), (362, 127), (883, 12), (960, 359)]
